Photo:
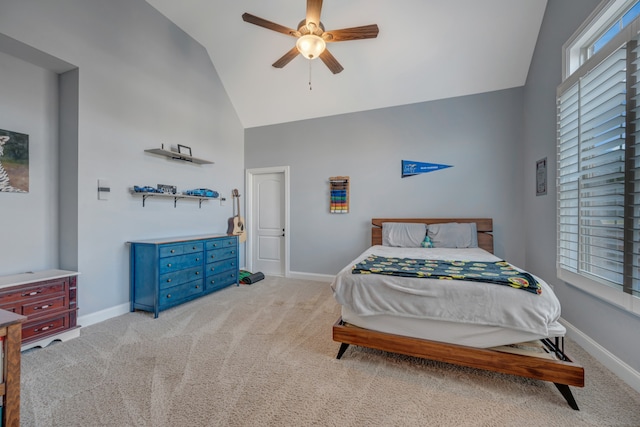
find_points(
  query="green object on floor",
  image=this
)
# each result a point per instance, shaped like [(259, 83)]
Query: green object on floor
[(242, 274)]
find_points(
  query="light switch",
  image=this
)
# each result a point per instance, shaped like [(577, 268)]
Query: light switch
[(104, 189)]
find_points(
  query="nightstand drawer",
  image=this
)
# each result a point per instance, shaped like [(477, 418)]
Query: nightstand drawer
[(171, 264), (179, 277)]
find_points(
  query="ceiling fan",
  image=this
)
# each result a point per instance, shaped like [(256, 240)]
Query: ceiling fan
[(312, 38)]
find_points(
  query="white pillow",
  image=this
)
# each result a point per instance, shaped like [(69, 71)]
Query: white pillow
[(454, 235), (403, 234)]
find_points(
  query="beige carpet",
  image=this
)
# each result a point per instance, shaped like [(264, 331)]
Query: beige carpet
[(262, 355)]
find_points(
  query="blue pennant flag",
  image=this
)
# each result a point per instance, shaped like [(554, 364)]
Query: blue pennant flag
[(410, 168)]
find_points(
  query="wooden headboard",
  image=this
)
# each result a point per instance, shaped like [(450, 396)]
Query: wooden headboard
[(484, 226)]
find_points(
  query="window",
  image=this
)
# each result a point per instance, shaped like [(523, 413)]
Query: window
[(617, 26), (598, 178), (607, 21)]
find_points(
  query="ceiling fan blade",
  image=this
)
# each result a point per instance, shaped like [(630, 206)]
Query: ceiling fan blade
[(252, 19), (313, 11), (286, 58), (355, 33), (331, 62)]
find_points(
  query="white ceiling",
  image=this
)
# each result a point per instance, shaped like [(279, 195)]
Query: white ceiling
[(426, 50)]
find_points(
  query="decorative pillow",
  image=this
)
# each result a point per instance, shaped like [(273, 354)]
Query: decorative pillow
[(427, 243), (453, 235), (403, 234)]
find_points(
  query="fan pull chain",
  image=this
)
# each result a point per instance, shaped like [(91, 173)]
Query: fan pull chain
[(310, 87)]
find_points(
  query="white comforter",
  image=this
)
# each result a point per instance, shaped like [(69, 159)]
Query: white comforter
[(451, 300)]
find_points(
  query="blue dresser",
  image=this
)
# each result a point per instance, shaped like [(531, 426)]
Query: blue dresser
[(168, 272)]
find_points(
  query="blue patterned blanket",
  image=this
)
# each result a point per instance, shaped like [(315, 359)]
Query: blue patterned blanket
[(501, 272)]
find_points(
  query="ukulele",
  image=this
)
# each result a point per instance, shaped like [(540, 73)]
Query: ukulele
[(236, 223)]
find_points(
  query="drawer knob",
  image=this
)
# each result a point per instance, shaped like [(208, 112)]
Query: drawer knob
[(194, 248), (213, 281), (168, 280), (168, 295), (42, 307), (197, 259), (44, 328), (197, 273), (233, 252), (215, 245), (197, 286), (213, 268), (168, 265), (213, 256), (173, 251)]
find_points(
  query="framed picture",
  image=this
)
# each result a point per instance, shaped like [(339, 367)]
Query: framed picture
[(541, 177), (14, 162), (183, 149)]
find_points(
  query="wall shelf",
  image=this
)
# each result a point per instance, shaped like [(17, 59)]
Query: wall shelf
[(175, 197), (178, 156)]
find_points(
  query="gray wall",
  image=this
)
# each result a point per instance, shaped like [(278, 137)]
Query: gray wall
[(140, 81), (480, 136), (616, 330), (29, 222)]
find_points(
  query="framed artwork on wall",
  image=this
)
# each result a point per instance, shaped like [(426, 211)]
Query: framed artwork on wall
[(183, 149), (14, 162), (541, 177)]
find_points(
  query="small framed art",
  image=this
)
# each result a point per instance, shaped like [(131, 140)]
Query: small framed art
[(183, 149), (541, 177)]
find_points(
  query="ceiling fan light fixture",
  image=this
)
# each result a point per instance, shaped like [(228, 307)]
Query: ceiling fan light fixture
[(311, 46)]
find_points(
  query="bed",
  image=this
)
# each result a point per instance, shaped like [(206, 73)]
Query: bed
[(402, 312)]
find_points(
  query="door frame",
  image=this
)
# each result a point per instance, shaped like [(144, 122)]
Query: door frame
[(249, 175)]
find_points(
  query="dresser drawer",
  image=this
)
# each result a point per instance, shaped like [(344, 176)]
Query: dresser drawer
[(39, 329), (221, 280), (219, 254), (221, 243), (183, 248), (179, 277), (39, 291), (219, 267), (177, 294), (175, 263), (44, 308)]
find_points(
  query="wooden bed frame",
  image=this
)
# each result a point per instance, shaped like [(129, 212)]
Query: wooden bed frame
[(563, 372)]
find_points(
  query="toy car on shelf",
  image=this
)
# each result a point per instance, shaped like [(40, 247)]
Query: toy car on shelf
[(201, 192), (145, 189)]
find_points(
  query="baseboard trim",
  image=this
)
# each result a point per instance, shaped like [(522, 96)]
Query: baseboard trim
[(604, 356), (311, 276), (102, 315)]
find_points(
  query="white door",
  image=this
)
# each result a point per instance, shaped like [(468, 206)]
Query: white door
[(268, 223)]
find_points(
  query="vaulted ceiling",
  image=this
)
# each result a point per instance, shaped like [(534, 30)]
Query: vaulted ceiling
[(425, 50)]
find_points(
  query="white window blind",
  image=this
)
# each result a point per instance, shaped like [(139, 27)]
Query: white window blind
[(598, 179)]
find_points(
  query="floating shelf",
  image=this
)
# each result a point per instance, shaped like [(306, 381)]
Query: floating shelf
[(178, 156), (175, 197)]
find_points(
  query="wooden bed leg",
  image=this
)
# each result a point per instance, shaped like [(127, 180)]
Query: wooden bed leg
[(343, 348), (566, 393)]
